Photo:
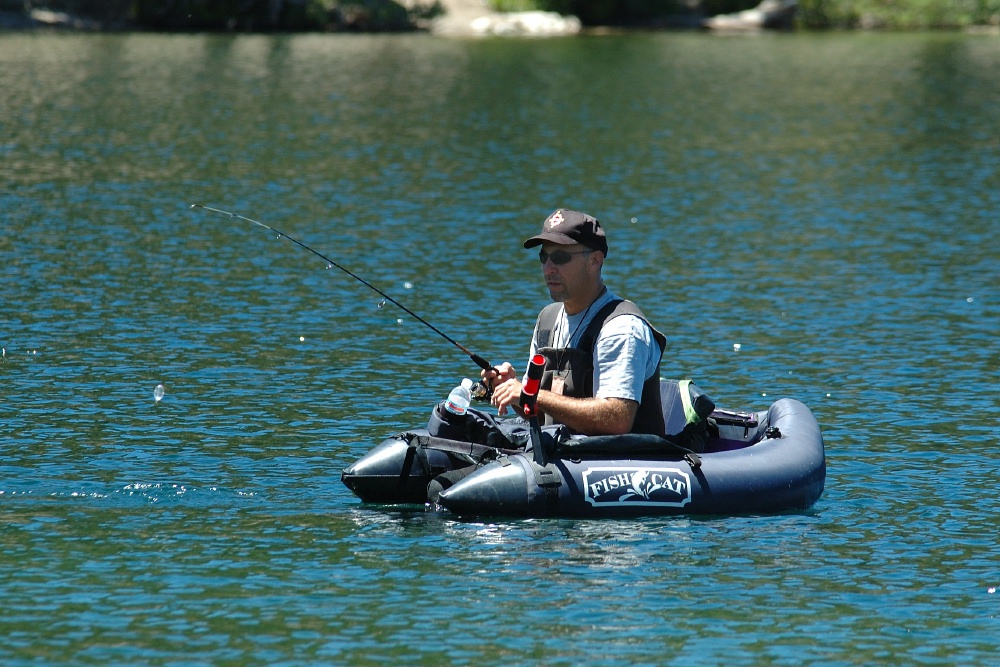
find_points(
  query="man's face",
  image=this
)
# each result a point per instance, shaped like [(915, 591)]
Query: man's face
[(567, 280)]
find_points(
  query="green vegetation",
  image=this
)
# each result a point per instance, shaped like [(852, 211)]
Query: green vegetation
[(898, 14), (392, 15), (240, 15), (812, 14)]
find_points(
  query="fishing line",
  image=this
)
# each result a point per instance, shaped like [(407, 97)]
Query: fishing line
[(479, 361)]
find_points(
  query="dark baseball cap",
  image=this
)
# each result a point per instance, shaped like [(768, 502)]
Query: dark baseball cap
[(567, 227)]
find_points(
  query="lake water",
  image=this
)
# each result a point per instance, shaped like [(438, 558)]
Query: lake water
[(828, 203)]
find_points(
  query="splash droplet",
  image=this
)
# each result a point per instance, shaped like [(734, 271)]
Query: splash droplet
[(302, 339), (635, 220), (736, 347), (381, 304), (408, 285), (158, 393)]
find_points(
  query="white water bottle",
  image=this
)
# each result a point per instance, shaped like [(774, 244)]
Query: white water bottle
[(459, 398)]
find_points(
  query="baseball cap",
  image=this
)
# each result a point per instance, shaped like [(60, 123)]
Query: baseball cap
[(567, 227)]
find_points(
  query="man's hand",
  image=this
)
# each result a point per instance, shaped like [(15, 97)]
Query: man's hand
[(506, 386)]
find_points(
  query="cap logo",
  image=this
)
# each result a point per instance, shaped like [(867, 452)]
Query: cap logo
[(555, 219)]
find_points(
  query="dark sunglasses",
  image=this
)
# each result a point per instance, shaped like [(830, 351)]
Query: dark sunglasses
[(560, 257)]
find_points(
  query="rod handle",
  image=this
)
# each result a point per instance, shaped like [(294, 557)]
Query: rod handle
[(529, 391), (482, 363)]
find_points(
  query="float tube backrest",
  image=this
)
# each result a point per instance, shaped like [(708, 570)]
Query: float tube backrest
[(683, 403)]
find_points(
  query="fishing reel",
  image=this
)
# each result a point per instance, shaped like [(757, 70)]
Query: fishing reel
[(481, 391)]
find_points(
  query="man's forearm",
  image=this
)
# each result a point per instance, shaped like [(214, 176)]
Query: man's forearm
[(593, 416)]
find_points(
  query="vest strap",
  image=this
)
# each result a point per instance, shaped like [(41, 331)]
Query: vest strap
[(576, 364)]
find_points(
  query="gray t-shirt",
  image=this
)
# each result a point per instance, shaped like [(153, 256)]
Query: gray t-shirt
[(624, 346)]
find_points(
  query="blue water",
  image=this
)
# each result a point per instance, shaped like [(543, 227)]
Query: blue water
[(828, 203)]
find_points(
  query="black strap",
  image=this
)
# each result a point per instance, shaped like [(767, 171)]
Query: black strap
[(596, 324), (610, 311), (473, 449), (629, 445), (545, 324), (733, 418), (417, 446), (413, 452)]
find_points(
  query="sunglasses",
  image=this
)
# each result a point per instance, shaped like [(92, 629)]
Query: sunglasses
[(560, 257)]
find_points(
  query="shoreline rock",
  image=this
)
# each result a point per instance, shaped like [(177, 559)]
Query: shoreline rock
[(44, 18), (473, 18), (768, 15), (528, 24)]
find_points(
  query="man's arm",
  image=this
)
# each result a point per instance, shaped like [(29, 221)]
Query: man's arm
[(593, 416), (623, 355)]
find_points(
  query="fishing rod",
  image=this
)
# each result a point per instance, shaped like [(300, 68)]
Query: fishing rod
[(479, 361)]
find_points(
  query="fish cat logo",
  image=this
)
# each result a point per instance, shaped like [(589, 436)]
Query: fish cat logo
[(555, 219), (637, 486)]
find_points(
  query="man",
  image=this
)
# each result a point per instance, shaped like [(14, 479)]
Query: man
[(602, 369)]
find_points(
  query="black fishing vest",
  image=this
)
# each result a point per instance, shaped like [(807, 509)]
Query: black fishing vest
[(575, 365)]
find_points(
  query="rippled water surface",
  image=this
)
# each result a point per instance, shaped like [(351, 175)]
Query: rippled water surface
[(828, 203)]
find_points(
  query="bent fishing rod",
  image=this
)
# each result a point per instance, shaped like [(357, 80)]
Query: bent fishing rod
[(479, 361)]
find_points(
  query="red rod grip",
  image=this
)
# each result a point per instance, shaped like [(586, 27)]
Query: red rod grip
[(535, 368), (529, 390)]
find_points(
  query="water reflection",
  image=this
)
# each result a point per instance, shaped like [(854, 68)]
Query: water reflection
[(825, 202)]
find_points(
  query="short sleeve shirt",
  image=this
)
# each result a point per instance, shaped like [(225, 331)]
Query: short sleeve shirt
[(625, 353)]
